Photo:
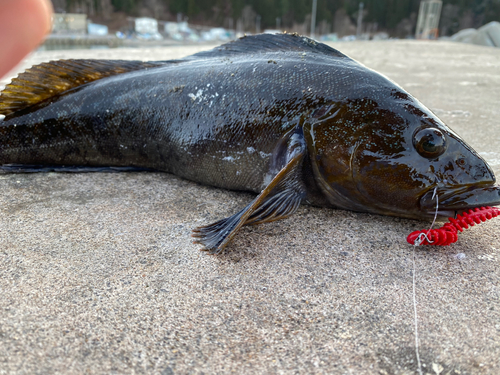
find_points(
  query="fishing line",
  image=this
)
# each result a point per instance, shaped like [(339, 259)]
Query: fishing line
[(417, 242)]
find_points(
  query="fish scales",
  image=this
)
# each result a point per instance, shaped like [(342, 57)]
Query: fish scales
[(130, 120), (280, 115)]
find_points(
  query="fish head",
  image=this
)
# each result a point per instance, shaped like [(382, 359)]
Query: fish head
[(390, 155)]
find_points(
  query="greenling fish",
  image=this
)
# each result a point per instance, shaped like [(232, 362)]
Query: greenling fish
[(279, 115)]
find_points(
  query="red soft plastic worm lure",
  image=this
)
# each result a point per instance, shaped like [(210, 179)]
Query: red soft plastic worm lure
[(447, 234)]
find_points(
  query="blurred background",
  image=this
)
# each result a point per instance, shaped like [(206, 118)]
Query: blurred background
[(115, 23)]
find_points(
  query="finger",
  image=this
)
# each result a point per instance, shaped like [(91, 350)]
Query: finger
[(23, 25)]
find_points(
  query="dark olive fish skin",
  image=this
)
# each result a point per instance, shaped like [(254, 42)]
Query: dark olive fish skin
[(279, 115)]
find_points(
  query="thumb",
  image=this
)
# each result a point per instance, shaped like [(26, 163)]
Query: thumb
[(23, 25)]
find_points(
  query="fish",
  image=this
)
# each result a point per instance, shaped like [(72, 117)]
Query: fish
[(280, 115)]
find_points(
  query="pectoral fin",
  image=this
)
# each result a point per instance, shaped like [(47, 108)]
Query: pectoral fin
[(279, 199)]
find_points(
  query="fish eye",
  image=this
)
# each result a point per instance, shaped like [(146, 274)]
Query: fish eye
[(429, 143)]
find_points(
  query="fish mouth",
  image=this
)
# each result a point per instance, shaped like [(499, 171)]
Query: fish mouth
[(452, 201)]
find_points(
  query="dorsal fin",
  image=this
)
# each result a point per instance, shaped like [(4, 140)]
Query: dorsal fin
[(262, 43), (47, 80)]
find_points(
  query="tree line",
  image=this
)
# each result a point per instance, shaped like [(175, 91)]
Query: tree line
[(393, 16)]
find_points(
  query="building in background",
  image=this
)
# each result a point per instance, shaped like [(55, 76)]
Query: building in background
[(145, 25), (146, 28), (428, 19), (97, 30), (69, 23)]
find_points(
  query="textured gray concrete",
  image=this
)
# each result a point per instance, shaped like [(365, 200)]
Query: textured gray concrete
[(98, 273)]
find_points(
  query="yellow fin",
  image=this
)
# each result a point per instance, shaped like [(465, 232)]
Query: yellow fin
[(50, 79)]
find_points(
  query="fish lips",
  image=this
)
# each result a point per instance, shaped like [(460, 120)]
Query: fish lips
[(463, 199)]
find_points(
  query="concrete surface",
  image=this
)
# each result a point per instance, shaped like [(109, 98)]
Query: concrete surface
[(98, 273)]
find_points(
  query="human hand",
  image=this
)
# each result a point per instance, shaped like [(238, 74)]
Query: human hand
[(23, 25)]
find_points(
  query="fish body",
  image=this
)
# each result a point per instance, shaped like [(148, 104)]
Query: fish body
[(280, 115), (215, 120)]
